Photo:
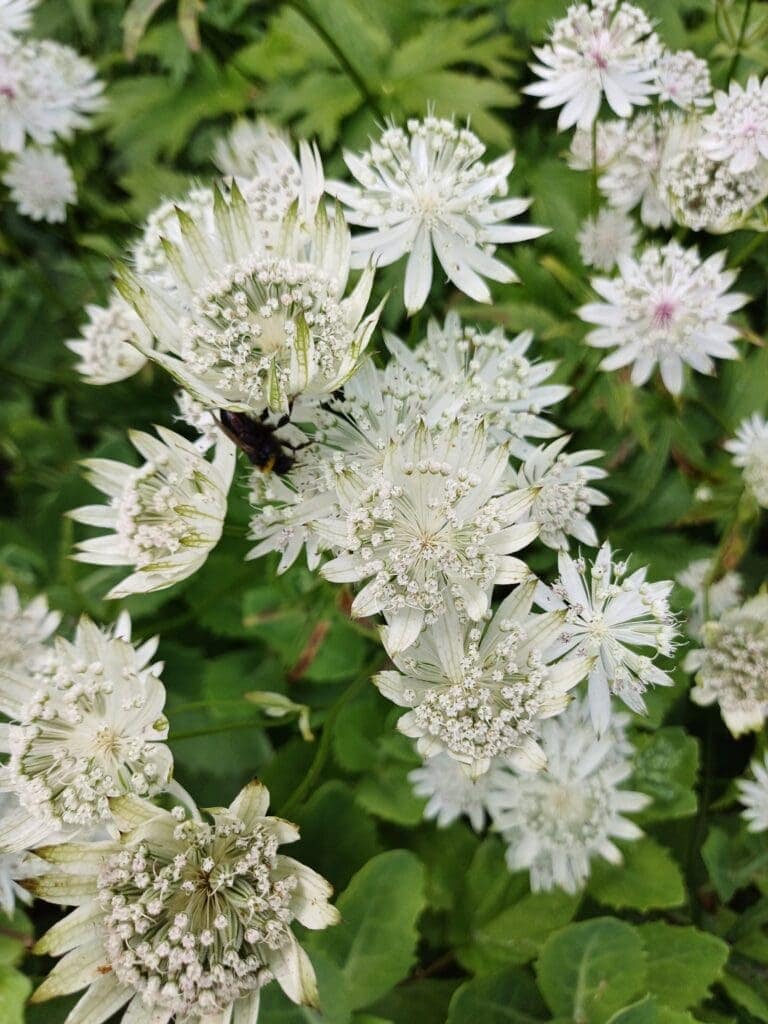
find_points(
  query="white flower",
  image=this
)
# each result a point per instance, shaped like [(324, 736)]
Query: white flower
[(246, 325), (702, 193), (451, 793), (15, 17), (41, 184), (607, 237), (476, 692), (562, 483), (666, 307), (24, 629), (166, 516), (105, 346), (198, 418), (611, 616), (18, 866), (260, 158), (610, 140), (737, 130), (182, 919), (732, 666), (750, 452), (606, 49), (438, 520), (709, 600), (163, 225), (556, 822), (631, 175), (683, 79), (86, 725), (754, 795), (426, 188), (461, 372)]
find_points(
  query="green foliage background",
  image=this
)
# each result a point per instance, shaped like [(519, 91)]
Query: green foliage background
[(434, 927)]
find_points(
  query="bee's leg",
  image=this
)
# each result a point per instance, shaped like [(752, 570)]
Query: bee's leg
[(264, 415), (283, 421), (295, 447)]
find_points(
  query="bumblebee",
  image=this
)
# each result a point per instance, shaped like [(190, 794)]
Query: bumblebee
[(259, 440)]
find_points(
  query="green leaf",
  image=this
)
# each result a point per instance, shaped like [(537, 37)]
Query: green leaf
[(508, 997), (665, 767), (734, 857), (516, 935), (425, 1000), (682, 962), (649, 877), (14, 989), (15, 937), (590, 970), (276, 1008), (748, 990), (375, 944), (650, 1011)]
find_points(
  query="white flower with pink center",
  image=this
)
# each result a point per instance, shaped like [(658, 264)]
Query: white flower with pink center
[(603, 49), (737, 130), (667, 308)]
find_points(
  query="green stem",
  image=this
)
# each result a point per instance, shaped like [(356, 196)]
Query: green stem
[(740, 41), (212, 730), (593, 190), (300, 793), (341, 57), (752, 246)]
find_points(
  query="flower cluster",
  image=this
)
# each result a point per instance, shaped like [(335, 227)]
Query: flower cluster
[(47, 93)]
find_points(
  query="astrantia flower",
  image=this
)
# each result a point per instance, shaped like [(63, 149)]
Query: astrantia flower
[(753, 793), (606, 48), (612, 617), (426, 188), (750, 452), (731, 668), (438, 520), (86, 725), (260, 158), (737, 131), (607, 237), (182, 919), (709, 600), (105, 346), (41, 184), (248, 325), (562, 482), (683, 79), (630, 178), (166, 516), (24, 629), (17, 867), (555, 823), (668, 308), (451, 793), (461, 372), (476, 692), (702, 193), (150, 255), (15, 17)]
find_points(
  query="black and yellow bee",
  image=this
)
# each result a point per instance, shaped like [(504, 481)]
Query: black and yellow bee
[(259, 440)]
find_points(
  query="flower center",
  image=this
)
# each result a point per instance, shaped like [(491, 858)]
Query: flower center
[(663, 314)]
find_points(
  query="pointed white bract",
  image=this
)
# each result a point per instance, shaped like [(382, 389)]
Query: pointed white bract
[(602, 49), (15, 17), (199, 419), (260, 159), (750, 453), (555, 823), (711, 597), (25, 629), (184, 917), (621, 621), (564, 495), (106, 348), (736, 131), (20, 865), (427, 188), (437, 521), (86, 725), (165, 517), (753, 794), (606, 238), (247, 321), (450, 792), (460, 372), (731, 667), (150, 254), (479, 691), (41, 184), (667, 308)]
